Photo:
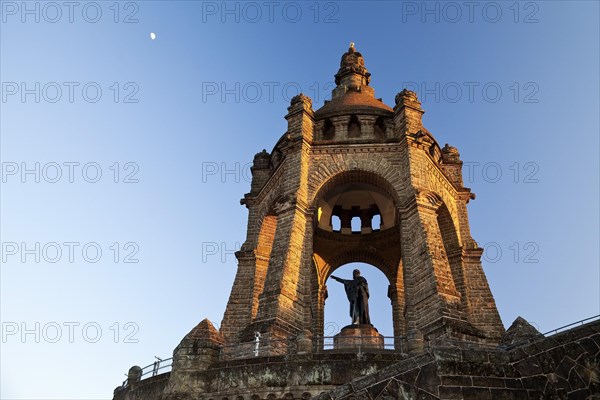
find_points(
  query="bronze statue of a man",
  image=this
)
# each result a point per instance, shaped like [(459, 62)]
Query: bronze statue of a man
[(357, 291)]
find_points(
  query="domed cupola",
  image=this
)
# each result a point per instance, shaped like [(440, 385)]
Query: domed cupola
[(353, 111), (352, 66)]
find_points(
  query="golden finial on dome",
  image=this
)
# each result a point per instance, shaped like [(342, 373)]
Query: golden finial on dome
[(351, 45)]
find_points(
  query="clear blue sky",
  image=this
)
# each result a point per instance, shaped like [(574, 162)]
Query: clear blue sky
[(513, 85)]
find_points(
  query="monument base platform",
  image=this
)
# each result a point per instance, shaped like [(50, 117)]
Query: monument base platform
[(360, 336)]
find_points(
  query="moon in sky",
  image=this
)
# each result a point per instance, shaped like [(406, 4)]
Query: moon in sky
[(152, 35)]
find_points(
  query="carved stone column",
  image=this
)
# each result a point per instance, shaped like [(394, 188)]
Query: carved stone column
[(346, 223), (341, 126), (367, 126), (365, 221)]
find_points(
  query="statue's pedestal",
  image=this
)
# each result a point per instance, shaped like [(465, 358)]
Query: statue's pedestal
[(357, 337)]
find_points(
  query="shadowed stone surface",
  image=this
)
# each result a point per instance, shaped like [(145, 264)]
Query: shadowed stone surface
[(519, 331)]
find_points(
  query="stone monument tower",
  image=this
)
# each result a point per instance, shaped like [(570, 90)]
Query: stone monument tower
[(356, 157)]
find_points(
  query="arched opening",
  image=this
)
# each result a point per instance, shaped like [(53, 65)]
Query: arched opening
[(353, 127), (452, 248), (276, 158), (264, 246), (355, 224), (379, 128), (353, 206), (337, 304), (371, 201), (376, 222), (328, 130), (336, 223)]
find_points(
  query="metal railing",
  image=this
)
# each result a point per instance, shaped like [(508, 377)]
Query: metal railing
[(152, 369), (563, 328), (281, 347), (258, 348), (359, 343)]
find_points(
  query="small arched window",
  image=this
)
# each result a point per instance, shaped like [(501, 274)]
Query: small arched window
[(328, 130), (353, 127), (376, 222), (379, 128), (336, 223), (355, 224)]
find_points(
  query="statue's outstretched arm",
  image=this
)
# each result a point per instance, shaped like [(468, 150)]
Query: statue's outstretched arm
[(337, 279)]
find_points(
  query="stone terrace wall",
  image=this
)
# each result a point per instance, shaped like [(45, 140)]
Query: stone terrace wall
[(147, 389), (563, 366), (277, 377)]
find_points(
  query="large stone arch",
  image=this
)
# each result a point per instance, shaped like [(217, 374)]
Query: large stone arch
[(380, 249), (262, 254), (367, 257), (341, 170), (452, 248), (448, 246), (439, 184), (371, 266)]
